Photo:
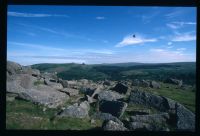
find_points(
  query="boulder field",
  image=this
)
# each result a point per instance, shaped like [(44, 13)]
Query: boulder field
[(111, 100)]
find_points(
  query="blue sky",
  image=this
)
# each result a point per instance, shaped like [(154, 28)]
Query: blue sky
[(100, 34)]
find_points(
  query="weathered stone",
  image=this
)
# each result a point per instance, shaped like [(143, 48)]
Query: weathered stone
[(44, 95), (70, 91), (13, 68), (175, 81), (120, 88), (116, 108), (30, 71), (113, 126), (20, 82), (56, 86), (185, 118), (106, 116), (97, 91), (76, 111), (148, 99), (154, 84), (109, 96), (153, 118)]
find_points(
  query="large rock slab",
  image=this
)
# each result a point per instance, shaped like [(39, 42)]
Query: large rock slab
[(120, 88), (44, 95), (113, 126), (148, 99), (185, 118), (109, 96), (116, 108), (20, 82), (76, 111)]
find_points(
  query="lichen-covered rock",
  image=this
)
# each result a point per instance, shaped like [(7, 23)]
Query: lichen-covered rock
[(116, 108), (109, 96), (113, 126)]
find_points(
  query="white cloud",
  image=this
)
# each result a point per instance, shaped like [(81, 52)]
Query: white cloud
[(184, 37), (129, 40), (164, 55), (169, 43), (36, 46), (100, 18), (176, 13), (181, 49), (19, 14), (148, 17), (177, 25)]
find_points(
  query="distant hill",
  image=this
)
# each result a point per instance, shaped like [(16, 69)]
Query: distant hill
[(122, 71)]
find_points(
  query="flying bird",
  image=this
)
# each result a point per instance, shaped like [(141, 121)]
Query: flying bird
[(133, 36)]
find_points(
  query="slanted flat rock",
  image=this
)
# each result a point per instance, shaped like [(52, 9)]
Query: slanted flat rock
[(109, 96), (116, 108), (113, 126), (44, 95)]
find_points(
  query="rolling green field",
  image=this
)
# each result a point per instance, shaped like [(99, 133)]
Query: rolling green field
[(122, 71)]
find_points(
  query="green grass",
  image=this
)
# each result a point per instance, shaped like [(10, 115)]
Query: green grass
[(25, 115)]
